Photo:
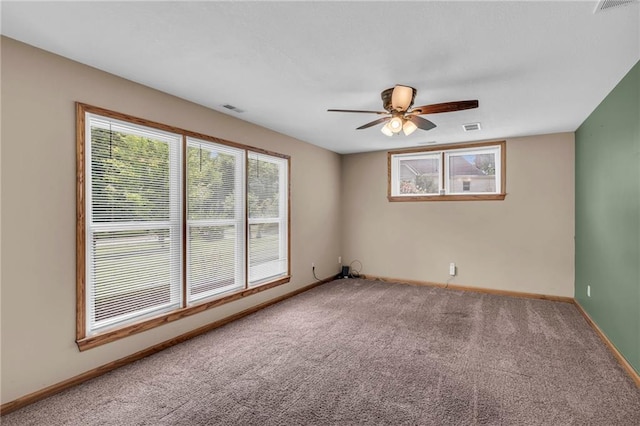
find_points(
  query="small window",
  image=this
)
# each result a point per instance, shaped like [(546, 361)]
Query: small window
[(452, 172)]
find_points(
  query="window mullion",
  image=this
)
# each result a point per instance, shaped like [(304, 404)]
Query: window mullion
[(185, 230), (499, 171), (247, 229), (444, 182)]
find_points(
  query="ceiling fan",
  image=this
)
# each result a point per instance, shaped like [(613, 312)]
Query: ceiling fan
[(397, 102)]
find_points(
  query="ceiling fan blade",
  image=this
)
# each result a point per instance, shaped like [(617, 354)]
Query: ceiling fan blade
[(422, 123), (357, 110), (402, 97), (374, 122), (445, 107)]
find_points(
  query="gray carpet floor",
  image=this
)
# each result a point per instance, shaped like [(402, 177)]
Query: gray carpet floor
[(356, 352)]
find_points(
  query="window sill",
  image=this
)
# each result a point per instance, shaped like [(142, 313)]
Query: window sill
[(92, 341), (475, 197)]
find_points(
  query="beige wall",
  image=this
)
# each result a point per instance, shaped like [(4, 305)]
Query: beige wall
[(524, 243), (38, 210)]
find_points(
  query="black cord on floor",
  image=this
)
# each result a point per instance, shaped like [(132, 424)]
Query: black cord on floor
[(449, 280), (355, 272), (314, 274)]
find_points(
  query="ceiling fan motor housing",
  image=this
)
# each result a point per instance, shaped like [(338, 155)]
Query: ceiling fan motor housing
[(386, 98)]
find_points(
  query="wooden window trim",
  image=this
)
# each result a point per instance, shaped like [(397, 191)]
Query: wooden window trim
[(85, 342), (447, 197)]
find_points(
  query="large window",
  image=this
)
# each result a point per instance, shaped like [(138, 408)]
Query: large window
[(453, 172), (171, 223)]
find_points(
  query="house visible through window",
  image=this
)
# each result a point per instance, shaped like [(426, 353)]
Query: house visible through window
[(169, 221), (462, 172)]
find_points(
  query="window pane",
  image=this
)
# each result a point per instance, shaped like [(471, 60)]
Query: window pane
[(267, 207), (213, 256), (472, 173), (131, 275), (215, 219), (264, 252), (419, 176), (211, 181), (264, 187), (129, 177), (133, 222)]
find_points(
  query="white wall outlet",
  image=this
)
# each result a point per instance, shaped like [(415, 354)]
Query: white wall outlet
[(588, 291), (339, 259), (313, 265), (452, 269)]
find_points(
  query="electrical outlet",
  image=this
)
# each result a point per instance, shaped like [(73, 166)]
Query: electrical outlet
[(339, 259), (313, 265), (588, 291), (452, 269)]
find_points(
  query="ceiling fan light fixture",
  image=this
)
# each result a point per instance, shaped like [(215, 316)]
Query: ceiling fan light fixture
[(395, 124), (386, 130), (409, 127)]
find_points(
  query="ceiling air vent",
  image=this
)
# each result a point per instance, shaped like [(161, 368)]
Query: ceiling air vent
[(232, 108), (471, 127), (612, 4)]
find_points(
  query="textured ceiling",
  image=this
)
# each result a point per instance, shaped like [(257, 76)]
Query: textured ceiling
[(535, 67)]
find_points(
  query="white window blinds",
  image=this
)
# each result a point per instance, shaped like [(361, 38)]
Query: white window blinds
[(215, 219), (170, 220), (267, 199), (133, 222)]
